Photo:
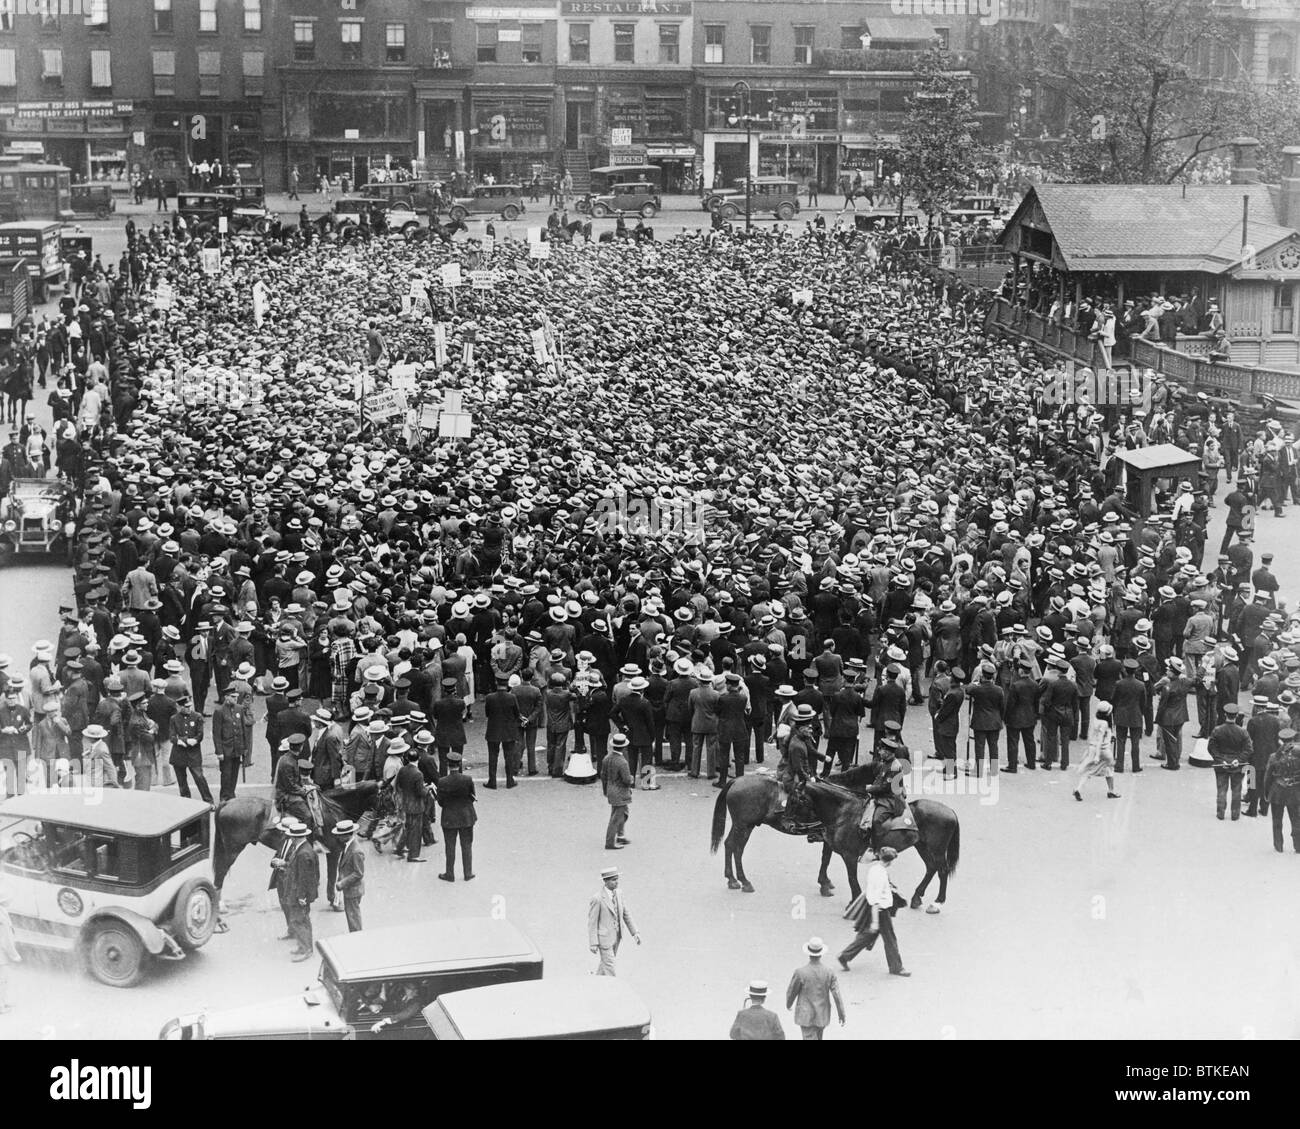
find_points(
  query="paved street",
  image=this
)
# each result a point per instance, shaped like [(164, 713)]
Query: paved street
[(1142, 916)]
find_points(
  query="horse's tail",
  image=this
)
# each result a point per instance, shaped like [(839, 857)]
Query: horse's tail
[(953, 854), (719, 818)]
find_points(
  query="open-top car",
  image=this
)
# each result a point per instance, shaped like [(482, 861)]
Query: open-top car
[(379, 978), (116, 876), (37, 515)]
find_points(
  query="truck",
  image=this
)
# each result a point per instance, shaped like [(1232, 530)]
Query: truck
[(36, 243), (15, 295)]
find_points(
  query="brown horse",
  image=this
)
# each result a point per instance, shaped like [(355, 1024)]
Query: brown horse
[(251, 819), (754, 801)]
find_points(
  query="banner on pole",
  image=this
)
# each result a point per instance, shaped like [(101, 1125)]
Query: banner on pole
[(451, 274), (385, 405), (211, 260), (401, 378), (539, 250)]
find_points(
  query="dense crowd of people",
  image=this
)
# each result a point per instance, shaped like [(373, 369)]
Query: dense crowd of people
[(714, 484)]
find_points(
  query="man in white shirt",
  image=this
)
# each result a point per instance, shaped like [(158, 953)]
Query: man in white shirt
[(876, 918)]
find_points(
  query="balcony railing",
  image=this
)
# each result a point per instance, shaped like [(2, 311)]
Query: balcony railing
[(846, 59)]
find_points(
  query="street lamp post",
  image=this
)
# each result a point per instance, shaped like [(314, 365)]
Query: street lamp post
[(741, 90)]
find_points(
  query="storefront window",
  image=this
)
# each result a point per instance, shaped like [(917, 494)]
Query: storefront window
[(508, 123), (333, 114), (665, 111)]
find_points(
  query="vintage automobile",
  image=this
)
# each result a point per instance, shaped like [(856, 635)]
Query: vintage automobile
[(93, 200), (250, 212), (600, 1008), (351, 209), (640, 197), (379, 974), (504, 200), (117, 876), (770, 194), (969, 208), (396, 215), (37, 515), (416, 194), (37, 242), (205, 209)]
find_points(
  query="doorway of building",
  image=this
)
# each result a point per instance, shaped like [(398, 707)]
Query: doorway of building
[(577, 125)]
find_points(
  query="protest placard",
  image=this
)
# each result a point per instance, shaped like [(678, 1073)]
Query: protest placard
[(385, 405), (451, 274)]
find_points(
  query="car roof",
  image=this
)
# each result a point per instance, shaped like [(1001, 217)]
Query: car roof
[(407, 950), (141, 814), (539, 1008)]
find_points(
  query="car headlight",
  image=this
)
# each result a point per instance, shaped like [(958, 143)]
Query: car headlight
[(10, 526)]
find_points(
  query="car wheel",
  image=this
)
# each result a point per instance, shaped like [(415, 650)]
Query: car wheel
[(648, 211), (194, 917), (785, 212), (115, 955), (263, 226), (458, 213), (599, 211), (408, 228), (729, 211), (101, 213), (7, 551), (509, 212), (582, 207)]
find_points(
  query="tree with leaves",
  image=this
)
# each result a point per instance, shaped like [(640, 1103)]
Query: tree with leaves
[(1151, 86), (940, 153)]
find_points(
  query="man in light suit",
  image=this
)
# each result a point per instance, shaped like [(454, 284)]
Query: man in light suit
[(352, 874), (812, 988), (606, 917)]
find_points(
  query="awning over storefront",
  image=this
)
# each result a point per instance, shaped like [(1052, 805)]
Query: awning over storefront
[(901, 28)]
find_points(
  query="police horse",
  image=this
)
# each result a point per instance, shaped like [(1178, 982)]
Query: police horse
[(252, 819), (836, 805)]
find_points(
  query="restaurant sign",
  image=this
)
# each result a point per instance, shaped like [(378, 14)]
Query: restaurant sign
[(626, 7)]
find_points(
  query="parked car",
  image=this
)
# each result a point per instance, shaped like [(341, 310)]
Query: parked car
[(418, 194), (398, 215), (118, 880), (351, 209), (770, 194), (94, 199), (638, 196), (250, 212), (205, 209), (504, 200), (599, 1008), (968, 208), (373, 975), (37, 515)]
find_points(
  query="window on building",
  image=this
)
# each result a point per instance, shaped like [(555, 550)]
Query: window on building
[(8, 67), (944, 36), (580, 43), (851, 37), (48, 13), (803, 45), (530, 42), (487, 42), (254, 72), (670, 39), (52, 64), (101, 70), (304, 41), (715, 36), (97, 14), (252, 15), (395, 43), (1284, 308), (624, 43), (210, 74), (208, 16), (350, 40), (164, 72), (7, 15), (162, 16), (441, 42), (760, 43)]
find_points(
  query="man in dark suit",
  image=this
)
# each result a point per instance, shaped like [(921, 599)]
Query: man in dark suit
[(888, 703), (1058, 709), (352, 874), (1127, 701), (456, 795), (301, 881), (1227, 683), (946, 722), (529, 697), (636, 716), (1021, 716), (988, 703), (504, 731), (754, 1022)]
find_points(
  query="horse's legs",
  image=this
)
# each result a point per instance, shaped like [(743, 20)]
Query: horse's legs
[(742, 837), (851, 866), (823, 878), (930, 868), (732, 884)]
